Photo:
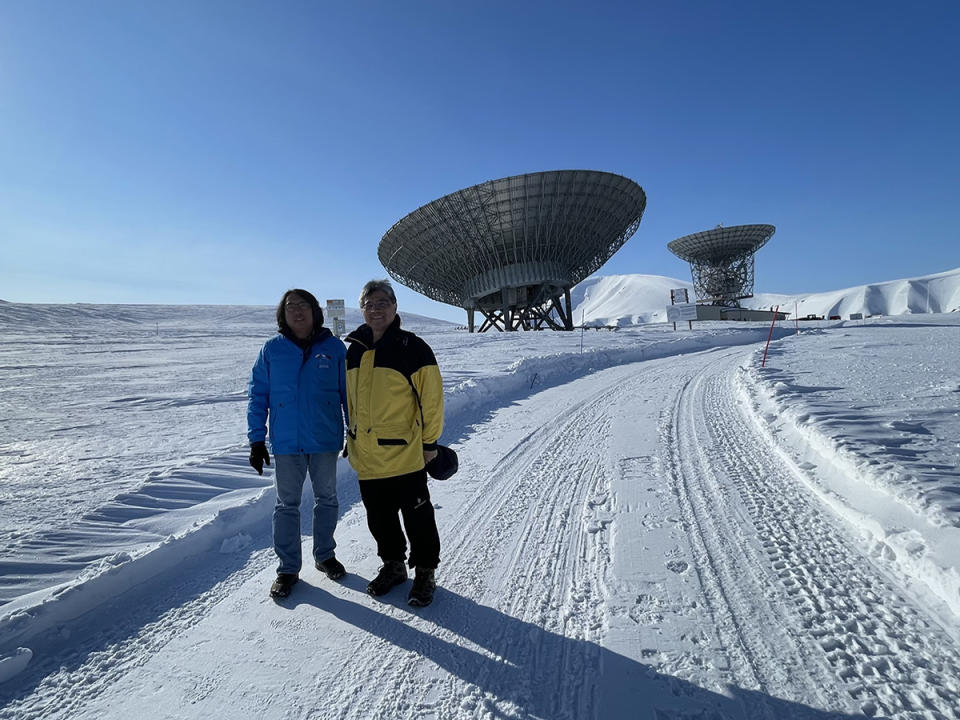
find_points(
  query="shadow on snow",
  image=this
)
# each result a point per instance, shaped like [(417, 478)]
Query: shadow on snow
[(522, 667)]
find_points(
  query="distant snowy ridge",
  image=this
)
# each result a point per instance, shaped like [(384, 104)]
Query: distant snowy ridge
[(620, 300), (938, 293), (600, 300), (155, 318)]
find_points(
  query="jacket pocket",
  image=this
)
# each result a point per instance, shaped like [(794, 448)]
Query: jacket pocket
[(325, 408), (394, 449), (393, 435)]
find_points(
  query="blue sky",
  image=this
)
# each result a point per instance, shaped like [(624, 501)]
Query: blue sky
[(222, 151)]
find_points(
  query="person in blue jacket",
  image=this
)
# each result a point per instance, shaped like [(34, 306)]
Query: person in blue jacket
[(298, 383)]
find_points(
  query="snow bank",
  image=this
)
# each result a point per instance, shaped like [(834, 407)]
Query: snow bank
[(883, 454), (527, 374), (211, 526)]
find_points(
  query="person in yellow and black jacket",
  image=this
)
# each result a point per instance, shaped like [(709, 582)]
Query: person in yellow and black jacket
[(395, 403)]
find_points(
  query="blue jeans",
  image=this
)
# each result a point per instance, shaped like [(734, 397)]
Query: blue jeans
[(289, 476)]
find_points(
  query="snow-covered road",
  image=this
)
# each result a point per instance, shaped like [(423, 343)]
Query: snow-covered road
[(631, 544)]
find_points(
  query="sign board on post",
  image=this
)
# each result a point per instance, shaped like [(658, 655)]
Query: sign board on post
[(679, 299), (336, 317), (681, 311)]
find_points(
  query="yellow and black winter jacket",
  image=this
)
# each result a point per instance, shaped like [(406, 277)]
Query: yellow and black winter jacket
[(385, 437)]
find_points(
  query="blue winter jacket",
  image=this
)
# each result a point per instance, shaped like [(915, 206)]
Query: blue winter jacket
[(302, 391)]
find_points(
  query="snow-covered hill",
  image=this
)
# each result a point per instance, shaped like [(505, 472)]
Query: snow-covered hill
[(639, 299), (157, 319), (938, 293), (624, 299)]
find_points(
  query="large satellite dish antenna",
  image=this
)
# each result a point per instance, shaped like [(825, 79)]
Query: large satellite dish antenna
[(512, 248)]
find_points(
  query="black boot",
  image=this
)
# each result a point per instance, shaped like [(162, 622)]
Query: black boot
[(332, 568), (283, 584), (392, 573), (421, 594)]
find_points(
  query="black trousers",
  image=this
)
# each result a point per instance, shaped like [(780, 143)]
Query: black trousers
[(387, 499)]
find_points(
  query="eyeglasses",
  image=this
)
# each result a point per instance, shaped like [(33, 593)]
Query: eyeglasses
[(377, 304), (293, 305)]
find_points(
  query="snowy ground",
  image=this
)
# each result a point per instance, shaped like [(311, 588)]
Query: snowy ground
[(652, 527)]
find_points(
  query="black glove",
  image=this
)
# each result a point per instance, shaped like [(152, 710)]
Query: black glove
[(259, 456)]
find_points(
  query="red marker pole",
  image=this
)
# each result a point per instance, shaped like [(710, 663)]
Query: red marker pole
[(769, 335)]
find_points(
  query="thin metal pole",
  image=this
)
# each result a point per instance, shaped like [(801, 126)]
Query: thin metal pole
[(769, 335), (582, 313)]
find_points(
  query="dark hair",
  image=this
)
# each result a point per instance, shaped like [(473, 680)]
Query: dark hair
[(311, 300)]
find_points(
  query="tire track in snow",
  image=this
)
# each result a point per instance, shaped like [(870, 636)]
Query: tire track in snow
[(536, 504), (847, 619), (732, 579), (554, 569)]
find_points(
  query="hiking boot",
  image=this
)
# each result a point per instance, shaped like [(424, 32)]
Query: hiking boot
[(332, 568), (421, 594), (283, 584), (392, 573)]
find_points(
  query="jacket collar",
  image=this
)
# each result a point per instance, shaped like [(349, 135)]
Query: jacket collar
[(322, 334), (364, 335)]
